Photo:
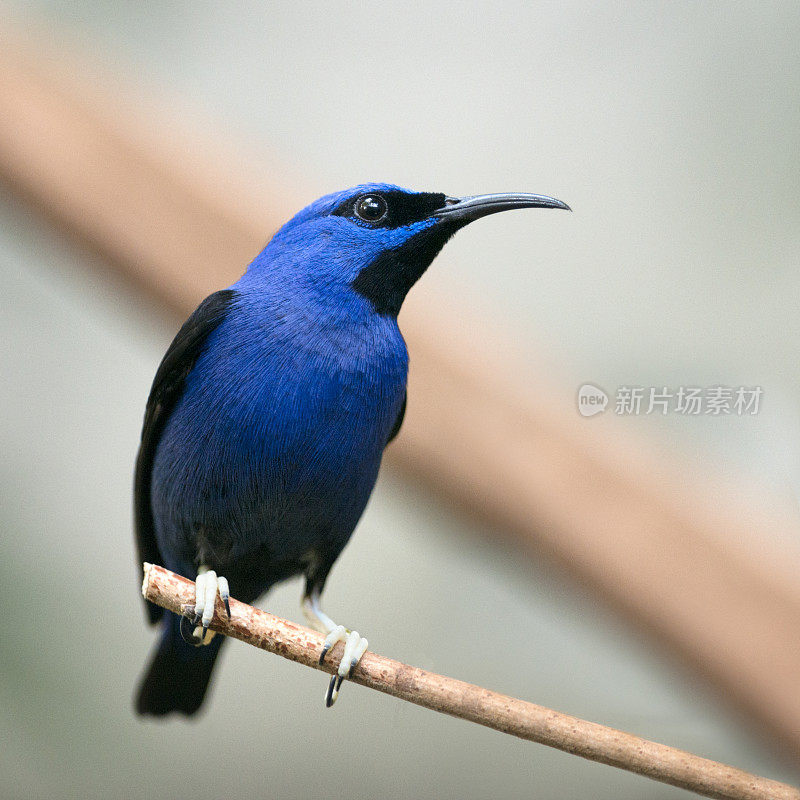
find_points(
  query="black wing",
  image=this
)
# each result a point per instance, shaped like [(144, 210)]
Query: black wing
[(399, 421), (164, 394)]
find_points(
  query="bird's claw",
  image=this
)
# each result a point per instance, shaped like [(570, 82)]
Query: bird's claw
[(207, 584), (333, 690), (355, 646), (338, 634)]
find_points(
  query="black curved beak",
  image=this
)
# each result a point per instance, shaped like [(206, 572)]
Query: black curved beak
[(467, 209)]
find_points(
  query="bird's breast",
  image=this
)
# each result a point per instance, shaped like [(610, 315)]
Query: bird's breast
[(282, 409), (278, 436)]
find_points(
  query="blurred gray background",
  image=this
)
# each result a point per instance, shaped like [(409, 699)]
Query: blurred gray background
[(672, 130)]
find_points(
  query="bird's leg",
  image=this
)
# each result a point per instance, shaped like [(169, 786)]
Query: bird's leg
[(207, 584), (354, 645)]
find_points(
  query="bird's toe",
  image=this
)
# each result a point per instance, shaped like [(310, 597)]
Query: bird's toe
[(190, 631), (355, 646), (194, 626), (224, 593), (337, 634)]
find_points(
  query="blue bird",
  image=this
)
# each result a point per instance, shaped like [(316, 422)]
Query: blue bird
[(269, 414)]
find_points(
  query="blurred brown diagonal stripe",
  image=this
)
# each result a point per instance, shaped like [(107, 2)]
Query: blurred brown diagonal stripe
[(519, 459)]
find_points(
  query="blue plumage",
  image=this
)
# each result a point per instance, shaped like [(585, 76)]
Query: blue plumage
[(269, 415)]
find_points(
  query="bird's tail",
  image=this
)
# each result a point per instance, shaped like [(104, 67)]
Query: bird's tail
[(177, 678)]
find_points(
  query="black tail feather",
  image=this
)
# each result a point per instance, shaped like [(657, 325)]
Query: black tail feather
[(177, 678)]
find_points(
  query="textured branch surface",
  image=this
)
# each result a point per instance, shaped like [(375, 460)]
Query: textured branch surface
[(459, 699)]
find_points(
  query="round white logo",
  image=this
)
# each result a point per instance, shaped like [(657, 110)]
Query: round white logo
[(591, 400)]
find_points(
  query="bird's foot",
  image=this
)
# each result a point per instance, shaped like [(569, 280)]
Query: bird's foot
[(354, 647), (194, 629)]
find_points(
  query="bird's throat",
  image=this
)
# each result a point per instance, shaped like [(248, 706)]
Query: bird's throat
[(385, 282)]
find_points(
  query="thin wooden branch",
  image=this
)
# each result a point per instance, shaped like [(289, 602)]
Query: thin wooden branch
[(665, 546), (473, 703)]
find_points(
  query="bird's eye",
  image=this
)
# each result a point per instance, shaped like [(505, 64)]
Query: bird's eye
[(371, 208)]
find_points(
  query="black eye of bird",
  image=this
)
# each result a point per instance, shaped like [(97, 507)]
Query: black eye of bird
[(371, 208)]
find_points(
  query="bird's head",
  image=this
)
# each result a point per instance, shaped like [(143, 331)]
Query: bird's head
[(377, 239)]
